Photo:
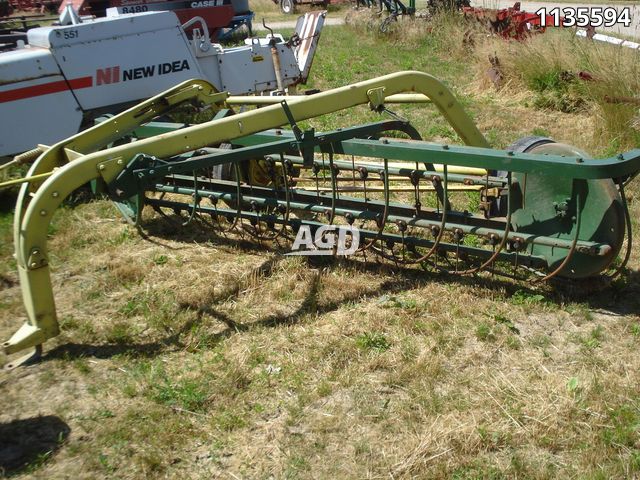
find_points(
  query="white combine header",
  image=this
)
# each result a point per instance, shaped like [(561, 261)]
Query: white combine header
[(66, 76)]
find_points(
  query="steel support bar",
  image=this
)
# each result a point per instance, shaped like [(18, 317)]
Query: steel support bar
[(555, 165), (531, 261), (465, 156), (307, 201)]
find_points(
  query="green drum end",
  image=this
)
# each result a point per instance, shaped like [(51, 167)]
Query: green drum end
[(548, 206)]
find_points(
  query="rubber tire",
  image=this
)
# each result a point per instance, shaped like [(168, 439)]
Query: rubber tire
[(288, 7), (525, 144)]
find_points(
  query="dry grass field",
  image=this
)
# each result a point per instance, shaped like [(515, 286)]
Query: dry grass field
[(189, 354)]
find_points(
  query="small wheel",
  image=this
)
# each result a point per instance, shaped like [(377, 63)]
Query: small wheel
[(288, 6)]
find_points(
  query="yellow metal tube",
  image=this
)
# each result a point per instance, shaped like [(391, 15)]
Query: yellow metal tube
[(273, 100), (18, 181), (437, 167)]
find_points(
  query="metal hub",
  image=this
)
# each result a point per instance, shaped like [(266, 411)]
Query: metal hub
[(549, 206)]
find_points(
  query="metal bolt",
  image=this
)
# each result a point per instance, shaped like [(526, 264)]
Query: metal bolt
[(34, 264), (349, 218), (55, 194), (510, 153), (445, 147), (620, 156), (120, 162), (579, 160), (101, 167), (43, 212)]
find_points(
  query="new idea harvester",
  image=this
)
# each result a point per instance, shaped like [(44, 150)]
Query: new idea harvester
[(68, 75)]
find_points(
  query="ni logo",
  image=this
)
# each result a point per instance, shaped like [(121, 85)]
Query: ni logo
[(328, 240)]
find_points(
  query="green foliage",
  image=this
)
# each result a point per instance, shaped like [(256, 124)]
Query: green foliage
[(569, 74), (477, 471), (228, 421), (540, 132), (373, 341), (160, 259), (120, 332), (157, 308), (392, 301), (484, 332), (184, 393), (106, 463), (127, 234), (574, 387), (625, 428), (594, 339), (522, 297)]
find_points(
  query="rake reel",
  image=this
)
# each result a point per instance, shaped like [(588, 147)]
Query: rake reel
[(397, 9), (538, 211)]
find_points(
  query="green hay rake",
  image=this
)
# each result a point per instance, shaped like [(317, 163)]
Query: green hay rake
[(544, 209)]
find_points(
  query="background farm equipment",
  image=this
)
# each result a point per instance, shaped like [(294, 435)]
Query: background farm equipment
[(510, 23), (69, 75), (393, 8), (223, 17), (396, 9), (544, 210), (39, 6), (14, 29), (290, 6)]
